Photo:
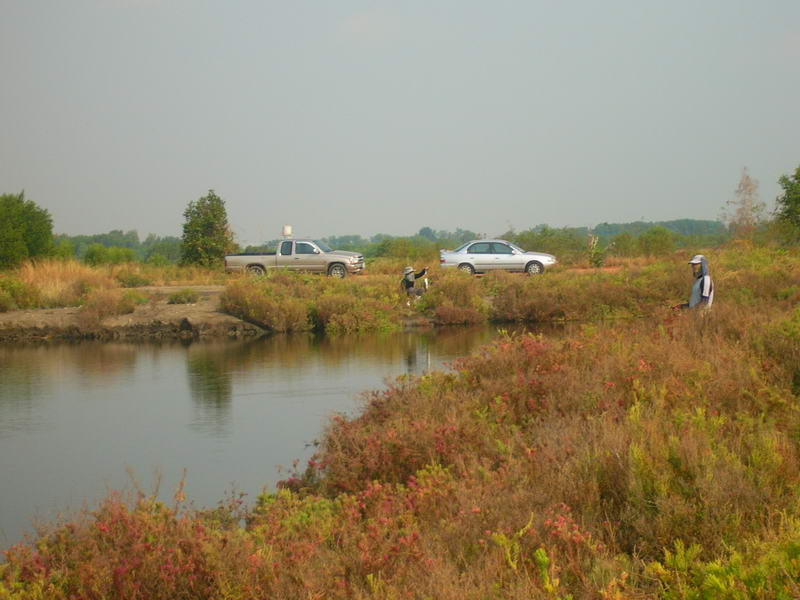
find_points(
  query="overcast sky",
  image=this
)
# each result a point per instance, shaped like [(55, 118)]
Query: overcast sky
[(363, 117)]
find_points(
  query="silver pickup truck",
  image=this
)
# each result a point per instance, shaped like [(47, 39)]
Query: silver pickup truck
[(298, 255)]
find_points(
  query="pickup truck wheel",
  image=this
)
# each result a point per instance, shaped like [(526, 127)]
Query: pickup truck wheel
[(256, 270), (466, 268), (534, 268), (337, 270)]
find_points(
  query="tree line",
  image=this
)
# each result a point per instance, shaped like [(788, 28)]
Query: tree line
[(26, 231)]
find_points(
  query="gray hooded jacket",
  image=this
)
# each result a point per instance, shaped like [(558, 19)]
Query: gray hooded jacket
[(703, 288)]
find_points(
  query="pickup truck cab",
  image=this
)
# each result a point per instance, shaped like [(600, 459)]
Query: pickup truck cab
[(298, 255)]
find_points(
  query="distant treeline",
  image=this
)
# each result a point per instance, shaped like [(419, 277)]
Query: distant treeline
[(625, 239), (119, 246)]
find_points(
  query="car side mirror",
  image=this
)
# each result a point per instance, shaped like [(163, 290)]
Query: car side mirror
[(316, 250)]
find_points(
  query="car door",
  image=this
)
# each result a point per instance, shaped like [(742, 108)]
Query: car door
[(308, 257), (504, 257), (481, 257), (284, 256)]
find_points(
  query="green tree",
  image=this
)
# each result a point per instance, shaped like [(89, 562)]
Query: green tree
[(624, 244), (64, 249), (656, 241), (787, 209), (207, 238), (428, 233), (26, 230), (96, 254)]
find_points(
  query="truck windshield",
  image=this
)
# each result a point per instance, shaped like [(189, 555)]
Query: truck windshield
[(323, 246)]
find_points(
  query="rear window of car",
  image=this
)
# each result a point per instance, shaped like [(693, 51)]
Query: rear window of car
[(481, 248)]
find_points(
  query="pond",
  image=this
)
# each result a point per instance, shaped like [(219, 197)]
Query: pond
[(79, 419)]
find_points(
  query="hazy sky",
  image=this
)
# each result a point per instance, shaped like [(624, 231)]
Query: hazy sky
[(362, 117)]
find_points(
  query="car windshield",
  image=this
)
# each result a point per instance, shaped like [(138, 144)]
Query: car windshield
[(517, 248), (323, 246), (461, 247)]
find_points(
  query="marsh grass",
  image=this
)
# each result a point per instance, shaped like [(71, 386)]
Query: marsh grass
[(52, 283), (58, 283), (287, 301), (652, 457), (108, 302)]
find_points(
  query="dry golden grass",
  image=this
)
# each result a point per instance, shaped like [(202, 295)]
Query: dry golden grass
[(62, 283)]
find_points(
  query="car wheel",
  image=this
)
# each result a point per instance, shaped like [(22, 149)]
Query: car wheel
[(534, 268), (256, 270), (337, 270), (466, 268)]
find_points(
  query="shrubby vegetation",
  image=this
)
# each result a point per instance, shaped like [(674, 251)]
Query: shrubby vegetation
[(53, 283), (654, 457), (788, 209), (185, 296), (286, 301), (26, 230)]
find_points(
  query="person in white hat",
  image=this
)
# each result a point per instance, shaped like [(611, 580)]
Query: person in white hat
[(409, 280), (702, 294)]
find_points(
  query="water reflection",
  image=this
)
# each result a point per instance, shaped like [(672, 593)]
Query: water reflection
[(74, 416), (211, 387)]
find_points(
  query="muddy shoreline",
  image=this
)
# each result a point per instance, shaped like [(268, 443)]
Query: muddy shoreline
[(156, 320)]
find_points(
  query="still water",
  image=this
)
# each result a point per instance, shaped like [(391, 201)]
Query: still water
[(78, 419)]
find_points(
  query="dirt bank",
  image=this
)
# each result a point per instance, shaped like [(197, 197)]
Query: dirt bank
[(154, 320)]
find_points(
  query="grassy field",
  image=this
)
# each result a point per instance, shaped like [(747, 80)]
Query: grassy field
[(651, 456)]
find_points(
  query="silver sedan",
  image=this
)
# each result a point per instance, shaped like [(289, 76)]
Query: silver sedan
[(480, 256)]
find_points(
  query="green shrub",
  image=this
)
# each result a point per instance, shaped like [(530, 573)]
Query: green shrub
[(18, 293), (350, 313), (102, 303), (255, 303), (6, 301), (185, 296), (132, 279)]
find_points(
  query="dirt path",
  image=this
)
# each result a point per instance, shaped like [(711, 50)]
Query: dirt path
[(154, 320)]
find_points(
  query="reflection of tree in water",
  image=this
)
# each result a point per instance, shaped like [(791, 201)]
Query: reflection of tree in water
[(103, 359), (211, 387), (416, 350), (28, 369), (291, 351), (20, 382)]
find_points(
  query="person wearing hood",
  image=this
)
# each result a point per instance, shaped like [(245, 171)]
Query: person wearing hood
[(702, 294), (409, 280)]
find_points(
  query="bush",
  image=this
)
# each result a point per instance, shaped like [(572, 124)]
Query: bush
[(17, 294), (6, 301), (132, 279), (97, 254), (338, 313), (57, 283), (185, 296), (253, 303), (103, 303), (455, 298), (26, 230)]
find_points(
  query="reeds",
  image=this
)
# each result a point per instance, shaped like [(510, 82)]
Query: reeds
[(58, 283), (655, 457)]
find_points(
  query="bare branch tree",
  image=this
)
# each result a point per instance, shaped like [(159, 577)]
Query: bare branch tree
[(744, 212)]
